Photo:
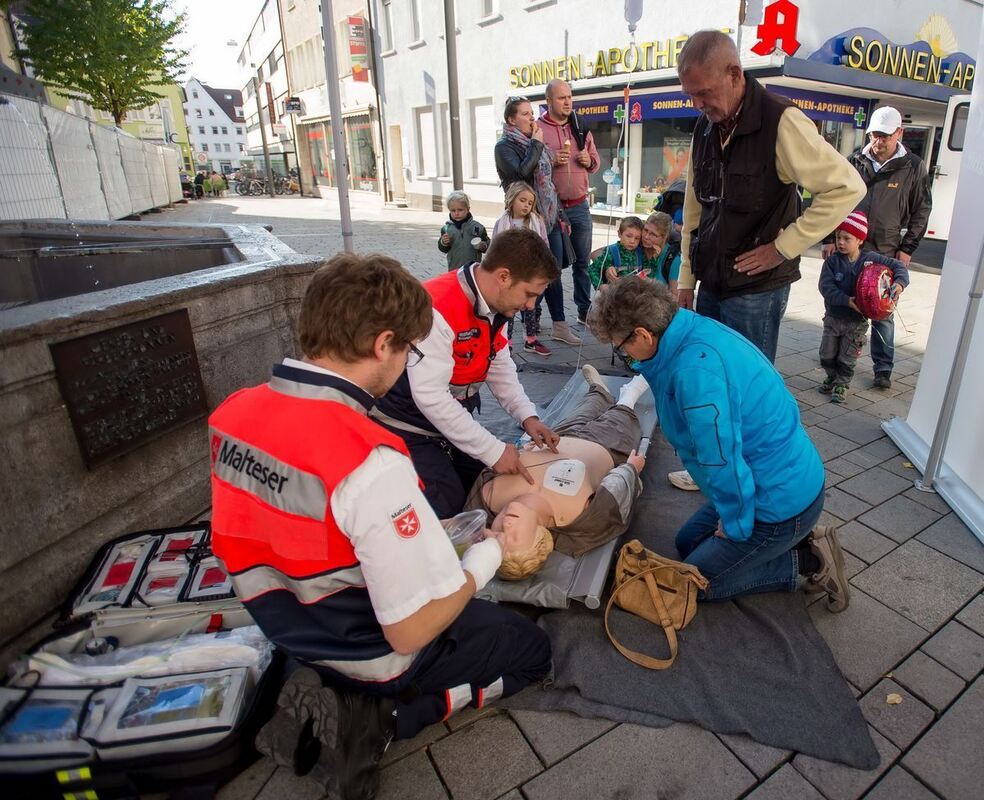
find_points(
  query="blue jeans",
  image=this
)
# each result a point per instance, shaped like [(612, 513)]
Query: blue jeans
[(766, 562), (755, 316), (580, 218), (883, 345)]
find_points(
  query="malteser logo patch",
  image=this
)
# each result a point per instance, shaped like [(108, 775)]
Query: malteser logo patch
[(406, 522), (216, 444)]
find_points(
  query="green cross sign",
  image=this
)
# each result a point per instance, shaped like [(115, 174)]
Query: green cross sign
[(859, 117), (619, 113)]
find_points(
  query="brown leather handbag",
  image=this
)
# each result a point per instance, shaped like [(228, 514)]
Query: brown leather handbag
[(658, 589)]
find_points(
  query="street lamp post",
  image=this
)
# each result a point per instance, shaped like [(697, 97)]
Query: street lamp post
[(335, 109), (263, 136)]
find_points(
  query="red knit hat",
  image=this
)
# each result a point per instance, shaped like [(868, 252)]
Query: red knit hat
[(856, 224)]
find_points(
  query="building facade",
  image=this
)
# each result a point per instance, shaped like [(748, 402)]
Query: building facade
[(836, 60), (216, 126), (265, 90), (302, 25)]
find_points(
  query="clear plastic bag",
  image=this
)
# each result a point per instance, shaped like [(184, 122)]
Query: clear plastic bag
[(465, 529)]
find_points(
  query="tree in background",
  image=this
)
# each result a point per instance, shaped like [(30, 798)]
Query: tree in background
[(106, 53)]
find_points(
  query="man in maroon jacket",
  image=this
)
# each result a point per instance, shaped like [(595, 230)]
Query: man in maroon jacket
[(574, 157)]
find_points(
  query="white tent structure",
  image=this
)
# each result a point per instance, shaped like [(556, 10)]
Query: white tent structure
[(943, 435)]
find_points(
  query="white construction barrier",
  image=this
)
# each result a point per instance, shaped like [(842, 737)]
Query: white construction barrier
[(58, 165), (28, 183), (76, 164)]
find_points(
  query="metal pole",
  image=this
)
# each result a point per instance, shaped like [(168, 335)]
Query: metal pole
[(259, 116), (381, 161), (335, 108), (935, 458), (452, 49)]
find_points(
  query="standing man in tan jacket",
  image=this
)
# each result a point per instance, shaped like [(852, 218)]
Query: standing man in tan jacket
[(743, 228), (574, 157)]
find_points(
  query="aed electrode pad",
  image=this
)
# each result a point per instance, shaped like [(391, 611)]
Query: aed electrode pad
[(565, 476)]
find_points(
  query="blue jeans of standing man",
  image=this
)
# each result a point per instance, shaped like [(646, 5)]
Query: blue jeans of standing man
[(580, 219), (766, 562), (755, 316), (883, 345)]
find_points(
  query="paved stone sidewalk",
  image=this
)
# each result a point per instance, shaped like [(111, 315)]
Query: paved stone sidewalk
[(915, 626)]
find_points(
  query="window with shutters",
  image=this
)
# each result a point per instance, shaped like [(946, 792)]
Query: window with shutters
[(426, 142), (482, 119)]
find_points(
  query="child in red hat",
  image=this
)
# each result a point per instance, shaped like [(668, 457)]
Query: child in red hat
[(845, 328)]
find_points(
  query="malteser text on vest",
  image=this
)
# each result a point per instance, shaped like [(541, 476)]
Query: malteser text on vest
[(244, 462)]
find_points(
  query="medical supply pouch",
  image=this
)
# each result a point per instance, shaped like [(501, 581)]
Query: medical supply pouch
[(155, 678)]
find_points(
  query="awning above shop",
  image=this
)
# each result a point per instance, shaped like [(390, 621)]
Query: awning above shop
[(871, 82)]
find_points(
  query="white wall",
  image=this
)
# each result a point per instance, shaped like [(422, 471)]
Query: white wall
[(218, 142)]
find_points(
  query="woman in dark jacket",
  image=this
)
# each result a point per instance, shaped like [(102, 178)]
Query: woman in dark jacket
[(520, 155)]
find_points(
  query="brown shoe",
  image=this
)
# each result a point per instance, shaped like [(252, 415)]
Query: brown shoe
[(830, 578)]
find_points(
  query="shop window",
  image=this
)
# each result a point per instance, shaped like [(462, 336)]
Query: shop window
[(318, 136), (482, 119), (958, 128), (361, 153)]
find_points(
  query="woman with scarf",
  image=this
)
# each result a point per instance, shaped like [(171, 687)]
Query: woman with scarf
[(520, 155)]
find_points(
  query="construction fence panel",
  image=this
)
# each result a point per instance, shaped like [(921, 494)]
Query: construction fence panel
[(28, 183), (137, 176), (172, 172), (155, 169), (107, 144), (76, 164)]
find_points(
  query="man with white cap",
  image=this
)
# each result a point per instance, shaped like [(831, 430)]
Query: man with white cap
[(897, 205)]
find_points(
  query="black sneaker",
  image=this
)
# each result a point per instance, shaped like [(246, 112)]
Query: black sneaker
[(354, 730), (883, 380)]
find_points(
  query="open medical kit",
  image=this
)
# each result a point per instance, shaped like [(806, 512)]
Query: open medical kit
[(154, 678)]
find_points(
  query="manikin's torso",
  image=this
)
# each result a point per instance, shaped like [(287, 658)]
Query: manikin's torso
[(566, 479)]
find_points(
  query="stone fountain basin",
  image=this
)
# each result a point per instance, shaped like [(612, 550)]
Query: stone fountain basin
[(241, 288)]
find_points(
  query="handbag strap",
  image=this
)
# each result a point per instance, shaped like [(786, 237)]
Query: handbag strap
[(634, 656)]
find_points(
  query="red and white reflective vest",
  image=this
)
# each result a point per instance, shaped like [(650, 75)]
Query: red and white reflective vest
[(278, 453)]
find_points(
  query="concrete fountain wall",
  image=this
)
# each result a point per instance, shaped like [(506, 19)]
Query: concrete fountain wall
[(56, 511)]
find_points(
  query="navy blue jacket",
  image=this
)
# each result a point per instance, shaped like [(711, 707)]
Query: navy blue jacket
[(839, 277)]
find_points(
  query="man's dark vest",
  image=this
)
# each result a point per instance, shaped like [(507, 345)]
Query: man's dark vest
[(744, 204)]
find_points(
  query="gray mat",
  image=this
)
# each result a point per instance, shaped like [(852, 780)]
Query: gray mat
[(755, 666)]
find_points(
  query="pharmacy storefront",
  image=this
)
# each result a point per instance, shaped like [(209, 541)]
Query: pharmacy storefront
[(836, 60)]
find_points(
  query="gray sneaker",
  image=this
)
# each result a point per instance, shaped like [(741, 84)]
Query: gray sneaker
[(562, 333), (830, 578)]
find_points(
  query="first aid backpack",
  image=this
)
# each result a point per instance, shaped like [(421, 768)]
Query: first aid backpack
[(154, 678)]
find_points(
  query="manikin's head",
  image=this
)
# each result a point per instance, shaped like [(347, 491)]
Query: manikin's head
[(524, 537)]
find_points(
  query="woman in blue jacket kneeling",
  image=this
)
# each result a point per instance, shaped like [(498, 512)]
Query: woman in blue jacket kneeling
[(728, 414)]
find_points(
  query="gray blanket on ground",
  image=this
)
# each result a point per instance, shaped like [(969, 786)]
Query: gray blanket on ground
[(756, 665)]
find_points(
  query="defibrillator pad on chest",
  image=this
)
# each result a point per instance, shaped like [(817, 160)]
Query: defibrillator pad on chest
[(565, 477)]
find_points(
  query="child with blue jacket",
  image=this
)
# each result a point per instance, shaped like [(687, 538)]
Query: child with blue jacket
[(845, 328)]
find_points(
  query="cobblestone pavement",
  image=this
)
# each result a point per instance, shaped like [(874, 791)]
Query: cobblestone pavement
[(915, 626)]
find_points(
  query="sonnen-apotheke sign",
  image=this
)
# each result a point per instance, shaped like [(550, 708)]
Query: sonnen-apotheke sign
[(640, 57), (915, 62)]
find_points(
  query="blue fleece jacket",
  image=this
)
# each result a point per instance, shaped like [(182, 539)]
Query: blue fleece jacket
[(735, 426), (839, 279)]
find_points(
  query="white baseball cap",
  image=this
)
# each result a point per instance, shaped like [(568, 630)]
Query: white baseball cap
[(885, 119)]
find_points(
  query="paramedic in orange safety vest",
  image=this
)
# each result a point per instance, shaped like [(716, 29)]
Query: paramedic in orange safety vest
[(319, 518), (431, 405)]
